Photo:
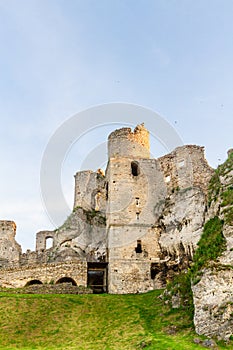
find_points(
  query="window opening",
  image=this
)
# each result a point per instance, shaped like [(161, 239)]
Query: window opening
[(107, 191), (49, 243), (134, 168), (154, 270), (138, 249)]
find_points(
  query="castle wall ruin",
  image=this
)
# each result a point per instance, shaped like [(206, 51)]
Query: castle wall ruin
[(134, 224)]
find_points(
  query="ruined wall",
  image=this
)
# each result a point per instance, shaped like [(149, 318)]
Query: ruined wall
[(90, 190), (132, 250), (81, 237), (186, 167), (126, 143), (143, 212), (41, 238), (10, 250), (46, 273)]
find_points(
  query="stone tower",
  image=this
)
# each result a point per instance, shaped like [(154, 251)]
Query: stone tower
[(134, 187)]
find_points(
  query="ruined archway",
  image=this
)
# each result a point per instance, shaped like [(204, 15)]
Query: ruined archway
[(66, 280), (48, 242), (31, 282)]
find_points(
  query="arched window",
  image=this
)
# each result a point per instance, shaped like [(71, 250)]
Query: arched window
[(48, 243), (30, 283), (67, 280), (134, 168)]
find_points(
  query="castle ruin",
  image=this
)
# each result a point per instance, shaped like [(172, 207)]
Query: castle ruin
[(132, 227)]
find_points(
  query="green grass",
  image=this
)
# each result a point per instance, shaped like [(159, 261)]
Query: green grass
[(211, 245), (92, 322)]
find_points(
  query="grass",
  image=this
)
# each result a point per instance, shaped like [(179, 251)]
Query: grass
[(211, 245), (92, 322)]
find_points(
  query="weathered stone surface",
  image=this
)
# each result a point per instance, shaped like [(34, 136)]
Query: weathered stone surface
[(142, 218), (182, 222), (213, 295), (213, 300), (10, 250), (125, 143), (45, 273)]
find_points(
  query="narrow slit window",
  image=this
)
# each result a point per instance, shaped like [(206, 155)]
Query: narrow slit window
[(134, 168), (137, 216), (107, 191), (138, 249), (137, 202)]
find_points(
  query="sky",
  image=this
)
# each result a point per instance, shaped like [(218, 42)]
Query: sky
[(59, 57)]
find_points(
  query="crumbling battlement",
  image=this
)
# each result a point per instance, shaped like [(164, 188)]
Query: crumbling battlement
[(7, 228), (90, 190), (127, 143), (186, 167), (10, 250)]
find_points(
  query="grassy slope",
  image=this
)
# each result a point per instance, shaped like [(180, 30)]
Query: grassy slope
[(92, 322)]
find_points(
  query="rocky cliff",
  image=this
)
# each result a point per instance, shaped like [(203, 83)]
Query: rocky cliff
[(213, 286)]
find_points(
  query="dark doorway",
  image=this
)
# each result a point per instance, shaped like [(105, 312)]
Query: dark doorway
[(154, 270), (97, 277)]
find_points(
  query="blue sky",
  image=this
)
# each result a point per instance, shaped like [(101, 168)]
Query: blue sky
[(59, 57)]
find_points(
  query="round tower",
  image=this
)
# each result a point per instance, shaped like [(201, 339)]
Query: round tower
[(125, 143)]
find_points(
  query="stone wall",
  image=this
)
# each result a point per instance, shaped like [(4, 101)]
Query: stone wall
[(10, 250), (131, 276), (134, 199), (132, 250), (142, 212), (46, 273)]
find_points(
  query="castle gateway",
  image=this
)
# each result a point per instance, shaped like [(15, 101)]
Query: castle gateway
[(132, 226)]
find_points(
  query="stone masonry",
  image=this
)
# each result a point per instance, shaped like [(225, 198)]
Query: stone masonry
[(131, 228)]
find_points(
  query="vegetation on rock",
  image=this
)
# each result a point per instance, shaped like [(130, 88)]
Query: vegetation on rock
[(212, 242)]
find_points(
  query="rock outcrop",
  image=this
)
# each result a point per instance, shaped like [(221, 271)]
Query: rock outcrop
[(213, 294)]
